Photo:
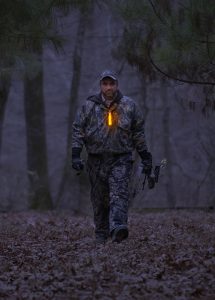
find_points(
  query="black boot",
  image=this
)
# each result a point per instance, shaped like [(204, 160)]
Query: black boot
[(119, 233)]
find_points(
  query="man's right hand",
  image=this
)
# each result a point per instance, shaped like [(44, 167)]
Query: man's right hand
[(77, 162)]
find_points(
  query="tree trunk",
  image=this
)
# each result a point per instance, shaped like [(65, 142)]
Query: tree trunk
[(5, 83), (167, 146), (135, 185), (39, 191), (65, 192)]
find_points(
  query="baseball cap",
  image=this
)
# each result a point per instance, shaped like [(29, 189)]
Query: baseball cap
[(108, 73)]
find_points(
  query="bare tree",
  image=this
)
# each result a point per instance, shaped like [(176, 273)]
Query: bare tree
[(65, 192), (39, 192), (167, 145), (5, 82)]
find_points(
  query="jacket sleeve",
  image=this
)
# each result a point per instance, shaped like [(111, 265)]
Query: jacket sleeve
[(138, 131), (78, 129)]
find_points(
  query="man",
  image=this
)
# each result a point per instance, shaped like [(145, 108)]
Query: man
[(110, 126)]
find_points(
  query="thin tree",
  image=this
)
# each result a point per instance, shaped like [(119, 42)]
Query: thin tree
[(39, 191), (5, 82), (65, 192)]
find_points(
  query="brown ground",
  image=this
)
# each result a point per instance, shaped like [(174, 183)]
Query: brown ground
[(169, 255)]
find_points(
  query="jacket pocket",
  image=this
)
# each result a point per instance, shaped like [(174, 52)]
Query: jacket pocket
[(90, 134), (124, 136), (124, 124)]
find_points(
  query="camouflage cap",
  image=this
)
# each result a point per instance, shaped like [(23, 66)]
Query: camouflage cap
[(108, 73)]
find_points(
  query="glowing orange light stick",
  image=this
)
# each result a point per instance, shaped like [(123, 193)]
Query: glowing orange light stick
[(110, 119)]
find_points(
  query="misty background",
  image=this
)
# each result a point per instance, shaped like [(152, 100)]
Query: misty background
[(179, 125)]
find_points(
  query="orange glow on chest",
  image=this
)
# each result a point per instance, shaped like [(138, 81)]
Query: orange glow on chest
[(110, 118)]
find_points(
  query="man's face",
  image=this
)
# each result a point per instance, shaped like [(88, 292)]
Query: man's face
[(108, 87)]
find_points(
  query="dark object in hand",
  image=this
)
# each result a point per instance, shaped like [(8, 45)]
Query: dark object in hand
[(153, 176), (156, 173)]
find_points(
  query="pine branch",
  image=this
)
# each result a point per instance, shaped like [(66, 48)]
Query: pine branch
[(157, 68)]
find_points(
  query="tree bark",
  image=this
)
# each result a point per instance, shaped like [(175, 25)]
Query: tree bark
[(135, 185), (39, 191), (65, 192), (167, 146), (5, 83)]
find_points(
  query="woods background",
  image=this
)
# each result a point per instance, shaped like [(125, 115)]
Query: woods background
[(41, 88)]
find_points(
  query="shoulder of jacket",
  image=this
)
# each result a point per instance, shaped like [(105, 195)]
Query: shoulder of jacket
[(128, 101), (94, 98), (88, 104)]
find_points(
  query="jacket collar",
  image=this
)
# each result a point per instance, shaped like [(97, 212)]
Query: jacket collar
[(98, 99)]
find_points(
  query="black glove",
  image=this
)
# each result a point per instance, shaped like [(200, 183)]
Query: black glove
[(146, 162), (77, 162)]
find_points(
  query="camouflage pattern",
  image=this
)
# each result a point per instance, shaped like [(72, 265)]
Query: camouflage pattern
[(109, 155), (90, 127), (109, 177)]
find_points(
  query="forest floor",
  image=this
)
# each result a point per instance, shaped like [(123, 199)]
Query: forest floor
[(168, 255)]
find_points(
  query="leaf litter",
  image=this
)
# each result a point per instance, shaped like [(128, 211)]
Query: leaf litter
[(53, 255)]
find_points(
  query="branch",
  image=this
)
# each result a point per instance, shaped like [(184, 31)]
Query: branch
[(163, 21), (176, 78), (205, 42)]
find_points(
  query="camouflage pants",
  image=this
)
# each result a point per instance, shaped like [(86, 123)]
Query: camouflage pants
[(109, 177)]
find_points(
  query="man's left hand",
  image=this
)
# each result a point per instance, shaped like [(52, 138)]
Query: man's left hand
[(146, 162), (147, 167)]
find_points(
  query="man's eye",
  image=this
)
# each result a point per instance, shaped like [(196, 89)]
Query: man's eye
[(108, 83)]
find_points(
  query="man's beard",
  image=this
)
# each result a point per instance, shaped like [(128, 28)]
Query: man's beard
[(109, 95)]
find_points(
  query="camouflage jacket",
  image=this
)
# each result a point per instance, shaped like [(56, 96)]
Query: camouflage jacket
[(91, 128)]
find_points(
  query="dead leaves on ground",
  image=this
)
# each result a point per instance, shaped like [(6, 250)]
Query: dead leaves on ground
[(169, 255)]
